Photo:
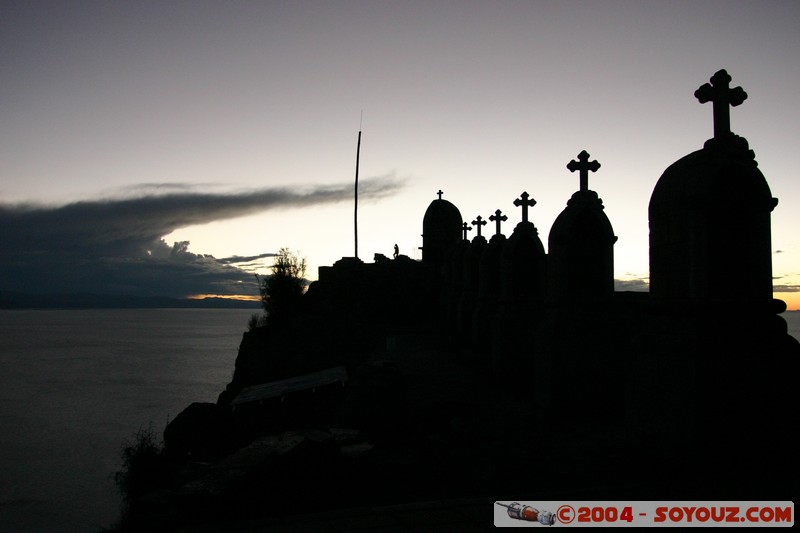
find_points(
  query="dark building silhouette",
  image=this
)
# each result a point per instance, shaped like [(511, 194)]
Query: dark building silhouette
[(710, 235), (581, 244), (521, 299), (552, 327), (486, 354), (453, 278), (471, 280), (710, 226), (441, 229), (711, 312), (576, 336), (488, 288)]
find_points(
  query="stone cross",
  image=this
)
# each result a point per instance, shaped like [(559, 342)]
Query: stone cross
[(584, 165), (478, 222), (466, 228), (524, 203), (720, 92), (440, 193), (497, 218)]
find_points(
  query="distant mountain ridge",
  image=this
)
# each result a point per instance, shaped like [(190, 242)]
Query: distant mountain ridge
[(18, 300)]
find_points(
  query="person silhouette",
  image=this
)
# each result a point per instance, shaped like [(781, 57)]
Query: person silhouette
[(396, 251)]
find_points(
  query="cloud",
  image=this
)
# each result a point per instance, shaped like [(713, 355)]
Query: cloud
[(125, 224), (252, 263), (116, 246), (636, 285), (786, 288), (238, 259), (164, 187)]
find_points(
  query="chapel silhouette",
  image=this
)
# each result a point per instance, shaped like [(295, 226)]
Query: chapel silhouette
[(682, 363), (495, 366)]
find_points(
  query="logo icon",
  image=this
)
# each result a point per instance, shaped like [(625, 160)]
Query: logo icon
[(528, 513)]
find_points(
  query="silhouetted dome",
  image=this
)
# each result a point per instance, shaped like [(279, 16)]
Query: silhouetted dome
[(522, 264), (710, 233), (581, 246), (441, 229), (583, 215), (723, 169), (442, 213)]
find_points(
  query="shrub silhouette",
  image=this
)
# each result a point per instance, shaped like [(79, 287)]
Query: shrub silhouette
[(256, 320), (145, 468), (282, 290)]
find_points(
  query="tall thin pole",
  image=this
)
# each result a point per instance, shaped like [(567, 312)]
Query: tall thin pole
[(355, 214)]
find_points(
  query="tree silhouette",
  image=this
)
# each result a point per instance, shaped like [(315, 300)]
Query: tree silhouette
[(282, 290)]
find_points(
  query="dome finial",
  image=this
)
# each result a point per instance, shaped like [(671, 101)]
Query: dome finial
[(720, 93), (584, 165), (525, 201), (498, 218)]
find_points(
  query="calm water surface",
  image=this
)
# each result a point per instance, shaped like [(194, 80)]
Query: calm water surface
[(76, 384), (793, 322)]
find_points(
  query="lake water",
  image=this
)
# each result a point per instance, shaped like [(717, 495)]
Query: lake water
[(793, 322), (75, 385)]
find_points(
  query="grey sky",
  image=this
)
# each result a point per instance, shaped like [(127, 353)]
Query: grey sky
[(480, 99)]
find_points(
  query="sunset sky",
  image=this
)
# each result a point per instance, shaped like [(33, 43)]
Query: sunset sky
[(128, 129)]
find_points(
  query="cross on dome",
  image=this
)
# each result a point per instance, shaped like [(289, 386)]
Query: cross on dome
[(478, 222), (465, 228), (584, 166), (498, 218), (720, 93), (440, 193), (525, 203)]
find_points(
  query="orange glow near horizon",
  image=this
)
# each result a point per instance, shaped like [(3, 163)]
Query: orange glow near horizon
[(792, 299), (245, 297)]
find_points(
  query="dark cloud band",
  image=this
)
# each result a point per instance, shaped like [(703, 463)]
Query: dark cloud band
[(117, 246)]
